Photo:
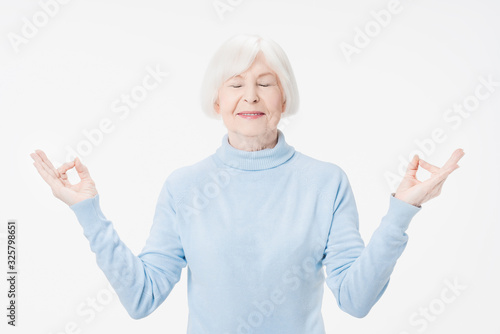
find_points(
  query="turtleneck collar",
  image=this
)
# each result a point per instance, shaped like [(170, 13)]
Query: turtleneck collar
[(255, 160)]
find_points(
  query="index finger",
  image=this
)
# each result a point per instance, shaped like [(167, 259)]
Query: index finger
[(455, 157)]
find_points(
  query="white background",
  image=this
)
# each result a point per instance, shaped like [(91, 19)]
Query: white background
[(364, 115)]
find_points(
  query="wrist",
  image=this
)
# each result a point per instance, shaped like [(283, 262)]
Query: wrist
[(395, 195)]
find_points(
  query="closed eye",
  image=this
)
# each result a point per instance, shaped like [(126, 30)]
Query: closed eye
[(238, 86)]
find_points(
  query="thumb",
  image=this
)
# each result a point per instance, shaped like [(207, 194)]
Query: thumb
[(82, 170)]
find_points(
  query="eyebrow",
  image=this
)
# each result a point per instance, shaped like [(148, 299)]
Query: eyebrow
[(260, 75)]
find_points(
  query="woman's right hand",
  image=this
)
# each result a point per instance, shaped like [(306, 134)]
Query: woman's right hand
[(58, 180)]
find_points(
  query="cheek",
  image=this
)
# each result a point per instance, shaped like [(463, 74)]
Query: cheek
[(227, 99), (274, 99)]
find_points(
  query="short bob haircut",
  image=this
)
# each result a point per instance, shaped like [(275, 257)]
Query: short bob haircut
[(234, 57)]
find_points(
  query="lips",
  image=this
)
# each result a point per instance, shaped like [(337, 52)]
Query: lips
[(251, 113)]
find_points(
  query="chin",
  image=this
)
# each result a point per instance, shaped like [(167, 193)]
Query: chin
[(250, 131)]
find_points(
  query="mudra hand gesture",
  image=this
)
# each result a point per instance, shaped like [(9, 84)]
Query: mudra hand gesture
[(58, 180), (410, 190), (417, 192)]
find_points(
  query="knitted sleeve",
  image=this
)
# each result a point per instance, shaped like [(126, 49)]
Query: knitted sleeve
[(144, 281), (359, 275)]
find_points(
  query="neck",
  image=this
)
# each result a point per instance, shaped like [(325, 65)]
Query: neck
[(253, 143), (266, 158)]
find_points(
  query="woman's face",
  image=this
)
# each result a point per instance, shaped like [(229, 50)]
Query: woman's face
[(255, 90)]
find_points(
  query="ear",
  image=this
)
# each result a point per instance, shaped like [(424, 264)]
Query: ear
[(283, 107), (216, 107)]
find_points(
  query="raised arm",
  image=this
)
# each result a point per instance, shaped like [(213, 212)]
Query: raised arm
[(144, 281), (358, 275), (141, 282)]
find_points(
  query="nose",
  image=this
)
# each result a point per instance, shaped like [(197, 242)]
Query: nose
[(251, 95)]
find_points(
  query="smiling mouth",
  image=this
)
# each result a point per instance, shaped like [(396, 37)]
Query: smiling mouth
[(251, 113)]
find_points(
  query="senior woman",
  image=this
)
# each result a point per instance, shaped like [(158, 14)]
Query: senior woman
[(256, 221)]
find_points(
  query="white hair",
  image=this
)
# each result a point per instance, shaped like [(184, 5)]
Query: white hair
[(235, 56)]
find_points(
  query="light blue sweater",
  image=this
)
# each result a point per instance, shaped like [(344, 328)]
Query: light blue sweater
[(255, 230)]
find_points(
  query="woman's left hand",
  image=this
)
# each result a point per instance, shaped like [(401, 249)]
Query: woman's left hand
[(417, 192)]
